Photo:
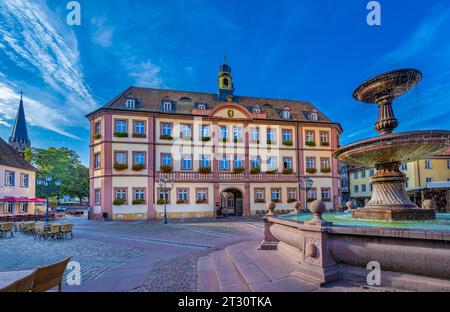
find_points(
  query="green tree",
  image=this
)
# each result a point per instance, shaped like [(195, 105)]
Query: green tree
[(63, 164)]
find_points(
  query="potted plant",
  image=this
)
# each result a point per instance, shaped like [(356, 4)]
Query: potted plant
[(325, 170), (239, 170), (206, 139), (97, 136), (182, 201), (120, 167), (288, 170), (118, 202), (121, 134), (204, 170), (311, 170), (166, 169), (166, 137), (288, 143), (138, 201), (310, 143), (138, 167), (139, 135), (325, 143), (255, 170), (202, 201)]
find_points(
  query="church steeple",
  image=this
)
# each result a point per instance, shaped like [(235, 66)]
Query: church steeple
[(226, 87), (19, 138)]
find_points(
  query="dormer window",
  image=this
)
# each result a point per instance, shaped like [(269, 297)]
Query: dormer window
[(130, 103), (201, 106), (286, 114), (257, 110), (167, 106), (314, 115)]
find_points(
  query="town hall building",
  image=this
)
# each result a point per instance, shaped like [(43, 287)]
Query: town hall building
[(221, 153)]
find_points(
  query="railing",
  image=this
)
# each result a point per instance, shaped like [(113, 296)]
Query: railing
[(228, 176)]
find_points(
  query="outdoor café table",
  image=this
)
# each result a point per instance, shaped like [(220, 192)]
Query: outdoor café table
[(7, 278)]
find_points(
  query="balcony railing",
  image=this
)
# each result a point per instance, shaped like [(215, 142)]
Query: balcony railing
[(228, 176)]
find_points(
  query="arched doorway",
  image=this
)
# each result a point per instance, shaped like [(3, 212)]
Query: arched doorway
[(231, 203)]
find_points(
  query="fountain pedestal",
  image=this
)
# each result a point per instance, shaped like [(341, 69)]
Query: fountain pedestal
[(389, 199)]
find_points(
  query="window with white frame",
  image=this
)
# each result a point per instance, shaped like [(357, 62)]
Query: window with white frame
[(166, 160), (238, 163), (257, 110), (255, 162), (10, 178), (139, 127), (271, 135), (287, 163), (130, 103), (309, 136), (276, 194), (314, 116), (237, 134), (310, 162), (286, 114), (205, 131), (324, 137), (428, 164), (325, 163), (166, 129), (287, 135), (98, 128), (186, 162), (121, 158), (223, 133), (404, 166), (98, 161), (139, 158), (139, 194), (164, 195), (23, 207), (186, 131), (121, 193), (121, 126), (202, 195), (363, 174), (254, 134), (167, 106), (292, 193), (260, 194), (24, 180), (8, 208), (311, 194), (272, 163), (98, 196), (325, 194), (183, 195), (205, 161), (201, 106), (224, 163)]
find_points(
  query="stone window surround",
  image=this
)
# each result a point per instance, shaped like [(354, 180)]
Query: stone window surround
[(121, 189), (187, 192), (198, 189)]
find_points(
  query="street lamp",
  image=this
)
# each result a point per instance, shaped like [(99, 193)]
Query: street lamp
[(308, 185), (47, 188), (166, 184)]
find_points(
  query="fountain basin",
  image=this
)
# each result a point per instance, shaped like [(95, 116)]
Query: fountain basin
[(412, 255), (400, 147)]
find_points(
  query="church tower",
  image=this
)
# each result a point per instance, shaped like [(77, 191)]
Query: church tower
[(226, 87), (19, 138)]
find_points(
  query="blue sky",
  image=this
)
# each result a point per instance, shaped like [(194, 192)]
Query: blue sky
[(318, 51)]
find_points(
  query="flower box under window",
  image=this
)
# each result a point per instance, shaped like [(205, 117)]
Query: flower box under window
[(291, 200), (310, 143), (311, 170), (118, 202), (166, 137), (260, 201), (206, 139), (138, 167), (120, 167), (182, 201), (288, 171), (288, 143), (325, 170), (255, 170), (204, 170), (97, 136), (239, 170), (166, 169), (325, 143), (270, 142), (202, 201), (121, 134), (138, 201), (139, 135)]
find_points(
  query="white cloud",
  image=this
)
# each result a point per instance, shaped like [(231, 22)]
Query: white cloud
[(102, 34), (35, 40), (145, 74)]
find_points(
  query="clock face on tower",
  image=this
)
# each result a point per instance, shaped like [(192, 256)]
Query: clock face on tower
[(231, 113)]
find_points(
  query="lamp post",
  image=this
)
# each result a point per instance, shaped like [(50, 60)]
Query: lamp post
[(308, 185), (47, 188), (166, 184)]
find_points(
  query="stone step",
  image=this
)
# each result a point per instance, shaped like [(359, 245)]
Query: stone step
[(229, 278), (207, 277)]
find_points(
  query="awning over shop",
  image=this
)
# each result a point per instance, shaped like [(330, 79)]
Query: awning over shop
[(22, 200)]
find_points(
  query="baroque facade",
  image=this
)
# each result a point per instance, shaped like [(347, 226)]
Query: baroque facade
[(227, 154)]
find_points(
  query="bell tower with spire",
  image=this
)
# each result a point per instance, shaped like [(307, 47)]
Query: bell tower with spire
[(226, 87), (19, 138)]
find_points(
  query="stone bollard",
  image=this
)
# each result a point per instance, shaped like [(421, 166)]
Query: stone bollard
[(427, 204), (271, 208), (295, 207), (349, 205), (318, 207)]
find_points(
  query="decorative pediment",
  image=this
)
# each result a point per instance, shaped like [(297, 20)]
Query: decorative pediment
[(231, 111)]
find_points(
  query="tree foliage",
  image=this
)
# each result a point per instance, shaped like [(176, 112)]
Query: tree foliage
[(63, 164)]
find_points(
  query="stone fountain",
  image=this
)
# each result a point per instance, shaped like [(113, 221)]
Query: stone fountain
[(389, 199)]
